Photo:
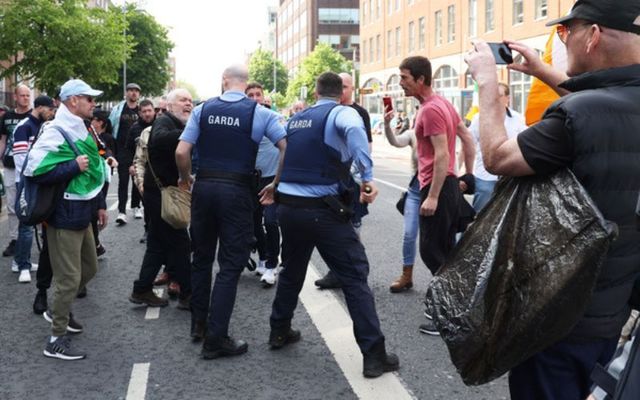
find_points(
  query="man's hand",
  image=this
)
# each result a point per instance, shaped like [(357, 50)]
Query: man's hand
[(267, 194), (368, 192), (83, 162), (185, 184), (132, 170), (428, 207), (482, 64), (532, 64), (112, 162), (103, 217), (463, 186), (388, 116)]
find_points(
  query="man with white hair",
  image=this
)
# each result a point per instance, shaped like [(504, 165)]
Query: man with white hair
[(225, 131), (165, 244)]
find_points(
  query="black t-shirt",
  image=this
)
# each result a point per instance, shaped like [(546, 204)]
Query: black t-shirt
[(128, 117), (547, 146), (365, 118), (7, 126)]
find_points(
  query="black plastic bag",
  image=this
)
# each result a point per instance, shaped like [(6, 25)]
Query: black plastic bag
[(522, 275)]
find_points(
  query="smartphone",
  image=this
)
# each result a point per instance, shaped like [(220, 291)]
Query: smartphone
[(388, 104), (501, 52)]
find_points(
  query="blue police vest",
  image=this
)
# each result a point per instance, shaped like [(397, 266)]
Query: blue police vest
[(225, 143), (308, 159)]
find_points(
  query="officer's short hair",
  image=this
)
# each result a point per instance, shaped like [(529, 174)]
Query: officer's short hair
[(237, 71), (254, 85), (329, 84), (418, 66), (146, 103)]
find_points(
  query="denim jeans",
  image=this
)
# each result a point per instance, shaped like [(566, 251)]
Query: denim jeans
[(411, 218), (23, 246), (484, 191)]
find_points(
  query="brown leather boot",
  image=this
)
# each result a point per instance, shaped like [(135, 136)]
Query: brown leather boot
[(404, 282)]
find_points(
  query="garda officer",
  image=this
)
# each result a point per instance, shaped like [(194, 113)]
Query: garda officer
[(225, 132), (322, 143)]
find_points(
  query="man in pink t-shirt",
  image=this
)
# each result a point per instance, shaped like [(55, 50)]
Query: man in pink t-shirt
[(437, 126)]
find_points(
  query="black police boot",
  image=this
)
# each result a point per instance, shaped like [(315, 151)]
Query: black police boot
[(377, 361), (278, 338), (40, 302), (328, 282), (198, 329), (214, 347)]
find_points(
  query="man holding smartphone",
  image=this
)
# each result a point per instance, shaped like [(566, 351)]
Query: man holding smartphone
[(437, 126)]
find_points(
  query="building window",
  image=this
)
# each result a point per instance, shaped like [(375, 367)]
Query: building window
[(398, 3), (378, 8), (370, 11), (363, 55), (364, 12), (340, 16), (389, 6), (451, 24), (378, 49), (520, 85), (445, 77), (412, 37), (473, 18), (489, 23), (398, 41), (371, 59), (438, 33), (541, 9), (518, 12), (339, 42), (421, 33), (389, 44)]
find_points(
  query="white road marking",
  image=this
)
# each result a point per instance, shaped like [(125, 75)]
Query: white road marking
[(335, 326), (138, 383), (154, 312), (393, 185), (113, 206)]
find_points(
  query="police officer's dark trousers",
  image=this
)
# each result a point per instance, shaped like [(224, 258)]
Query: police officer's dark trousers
[(304, 229), (165, 245), (220, 211), (266, 229)]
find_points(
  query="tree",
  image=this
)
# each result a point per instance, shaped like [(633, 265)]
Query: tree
[(261, 70), (147, 62), (50, 42), (322, 59)]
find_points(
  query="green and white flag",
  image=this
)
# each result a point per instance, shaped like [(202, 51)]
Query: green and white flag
[(52, 149)]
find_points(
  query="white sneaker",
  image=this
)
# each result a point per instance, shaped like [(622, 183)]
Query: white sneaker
[(25, 276), (279, 269), (14, 266), (261, 269), (122, 219), (268, 278), (34, 267), (137, 213)]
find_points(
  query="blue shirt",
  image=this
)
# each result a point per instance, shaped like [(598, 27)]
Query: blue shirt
[(265, 122), (344, 132)]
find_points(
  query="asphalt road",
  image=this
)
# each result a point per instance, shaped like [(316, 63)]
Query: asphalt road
[(135, 354)]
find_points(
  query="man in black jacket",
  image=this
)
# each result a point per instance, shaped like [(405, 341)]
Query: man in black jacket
[(147, 115), (165, 244), (593, 130)]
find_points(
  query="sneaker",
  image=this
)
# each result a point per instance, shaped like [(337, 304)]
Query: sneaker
[(122, 219), (40, 302), (72, 326), (268, 278), (262, 267), (10, 250), (149, 298), (137, 213), (34, 267), (427, 315), (61, 348), (14, 266), (429, 329), (25, 276)]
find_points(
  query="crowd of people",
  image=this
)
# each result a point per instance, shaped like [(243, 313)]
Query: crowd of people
[(284, 187)]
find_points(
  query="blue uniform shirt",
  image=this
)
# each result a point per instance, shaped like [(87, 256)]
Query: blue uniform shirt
[(344, 132), (265, 122)]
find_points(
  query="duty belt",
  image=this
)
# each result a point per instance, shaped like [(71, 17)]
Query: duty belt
[(215, 175), (300, 202)]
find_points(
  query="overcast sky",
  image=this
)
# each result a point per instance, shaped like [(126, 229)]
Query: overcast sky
[(209, 35)]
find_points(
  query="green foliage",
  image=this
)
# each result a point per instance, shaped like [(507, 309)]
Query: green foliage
[(322, 59), (261, 71), (53, 41), (147, 62), (280, 101)]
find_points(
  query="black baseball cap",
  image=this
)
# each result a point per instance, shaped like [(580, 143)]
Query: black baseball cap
[(621, 15), (44, 101)]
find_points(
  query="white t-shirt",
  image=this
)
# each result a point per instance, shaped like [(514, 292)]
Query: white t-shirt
[(514, 124)]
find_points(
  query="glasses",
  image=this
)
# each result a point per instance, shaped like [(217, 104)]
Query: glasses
[(564, 31)]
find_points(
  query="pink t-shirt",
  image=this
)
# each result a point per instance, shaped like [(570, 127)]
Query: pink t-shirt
[(435, 117)]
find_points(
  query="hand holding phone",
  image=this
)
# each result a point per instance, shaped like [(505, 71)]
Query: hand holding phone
[(501, 53), (388, 104)]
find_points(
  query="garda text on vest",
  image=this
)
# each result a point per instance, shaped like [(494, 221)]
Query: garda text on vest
[(224, 120), (300, 124)]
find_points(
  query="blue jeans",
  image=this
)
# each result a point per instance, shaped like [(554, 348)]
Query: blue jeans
[(484, 192), (411, 218), (23, 246)]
